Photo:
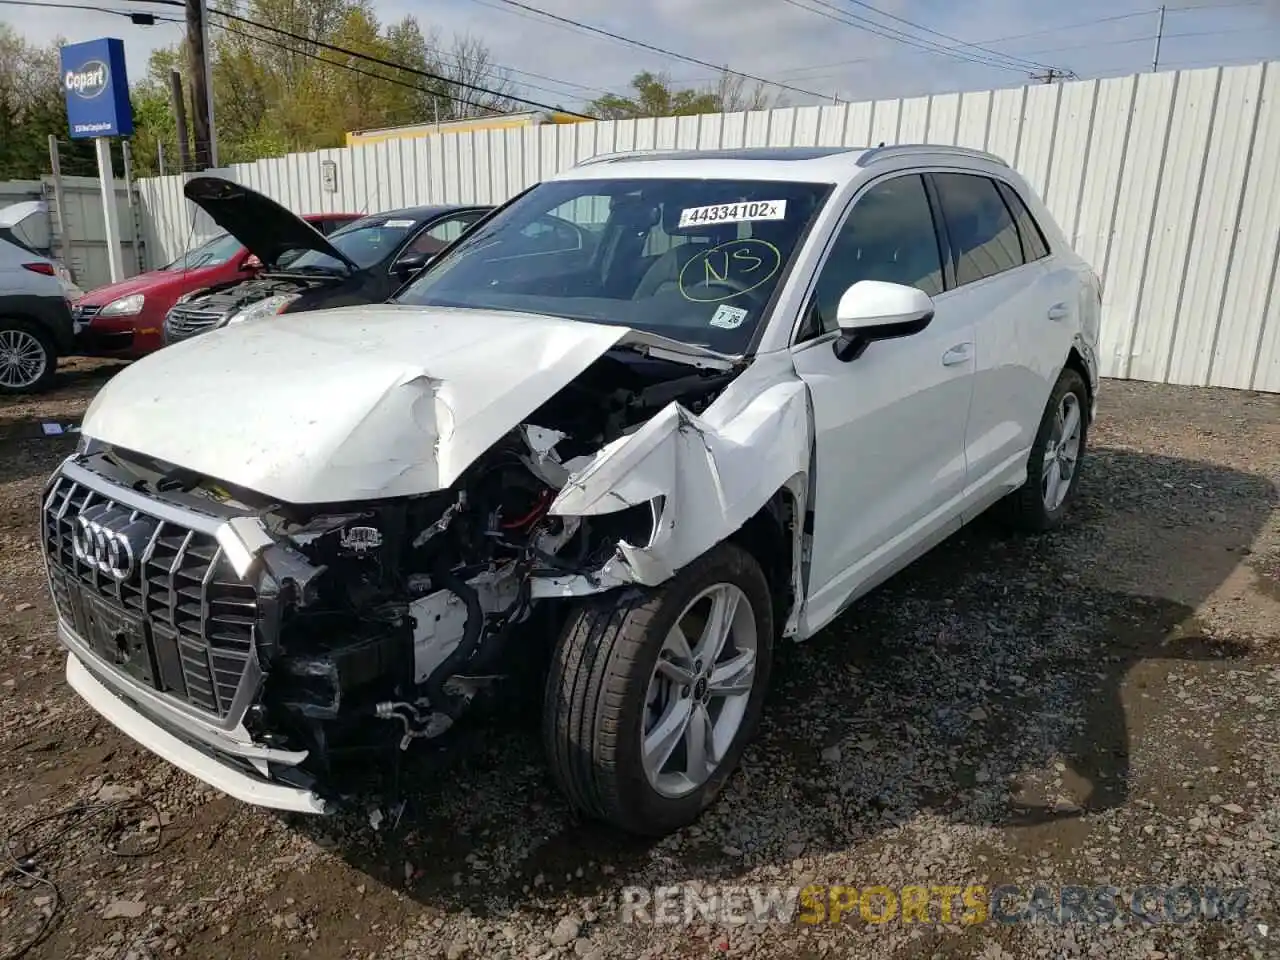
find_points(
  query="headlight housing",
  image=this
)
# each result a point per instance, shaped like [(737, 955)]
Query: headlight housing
[(264, 308), (124, 306)]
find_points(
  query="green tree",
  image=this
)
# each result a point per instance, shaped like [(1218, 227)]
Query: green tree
[(274, 94), (654, 96), (32, 106)]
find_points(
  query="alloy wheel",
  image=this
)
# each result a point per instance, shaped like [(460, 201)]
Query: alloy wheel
[(1062, 452), (22, 359), (699, 691)]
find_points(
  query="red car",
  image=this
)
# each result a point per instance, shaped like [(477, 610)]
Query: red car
[(126, 319)]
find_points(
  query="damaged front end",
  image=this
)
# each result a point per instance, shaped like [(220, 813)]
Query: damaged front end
[(286, 644)]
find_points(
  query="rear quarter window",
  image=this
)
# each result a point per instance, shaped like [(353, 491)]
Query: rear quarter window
[(984, 237), (1034, 246)]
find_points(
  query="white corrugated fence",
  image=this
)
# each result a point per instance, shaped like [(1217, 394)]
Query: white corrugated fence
[(1166, 182)]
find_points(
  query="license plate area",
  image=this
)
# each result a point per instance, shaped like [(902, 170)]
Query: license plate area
[(119, 638)]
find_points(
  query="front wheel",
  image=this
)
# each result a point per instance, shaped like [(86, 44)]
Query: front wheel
[(1053, 469), (653, 695)]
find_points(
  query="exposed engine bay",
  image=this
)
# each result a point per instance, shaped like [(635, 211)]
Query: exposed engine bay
[(387, 618), (229, 299)]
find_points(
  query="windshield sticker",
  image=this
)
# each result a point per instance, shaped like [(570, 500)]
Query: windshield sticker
[(734, 212), (727, 317), (728, 270), (402, 224)]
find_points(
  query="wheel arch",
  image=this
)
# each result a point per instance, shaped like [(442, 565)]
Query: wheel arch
[(772, 535), (1076, 361)]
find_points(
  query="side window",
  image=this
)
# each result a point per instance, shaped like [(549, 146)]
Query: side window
[(439, 235), (890, 236), (984, 238), (1034, 246), (549, 234)]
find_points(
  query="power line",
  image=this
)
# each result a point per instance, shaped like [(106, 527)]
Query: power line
[(944, 36), (840, 15), (1144, 39), (429, 75), (498, 68), (80, 6), (370, 58), (353, 69), (898, 36), (494, 71), (1093, 45), (588, 28), (1017, 36)]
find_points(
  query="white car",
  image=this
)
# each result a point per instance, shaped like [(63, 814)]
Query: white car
[(27, 223), (728, 396), (35, 319)]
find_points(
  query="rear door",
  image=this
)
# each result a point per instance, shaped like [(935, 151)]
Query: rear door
[(1047, 339), (1007, 296)]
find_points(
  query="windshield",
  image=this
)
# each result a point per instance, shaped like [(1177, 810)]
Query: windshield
[(366, 242), (221, 249), (692, 260)]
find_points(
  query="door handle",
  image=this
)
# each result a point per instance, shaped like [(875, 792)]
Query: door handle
[(958, 354), (1058, 311)]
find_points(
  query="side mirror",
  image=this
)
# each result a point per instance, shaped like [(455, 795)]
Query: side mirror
[(872, 310), (252, 263), (411, 264)]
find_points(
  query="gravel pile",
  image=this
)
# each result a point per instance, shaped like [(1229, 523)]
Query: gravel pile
[(1097, 707)]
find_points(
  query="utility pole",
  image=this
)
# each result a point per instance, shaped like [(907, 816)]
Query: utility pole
[(208, 83), (1054, 75), (201, 97), (1155, 59), (180, 120)]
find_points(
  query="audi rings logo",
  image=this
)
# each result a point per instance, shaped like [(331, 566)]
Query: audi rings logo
[(111, 540)]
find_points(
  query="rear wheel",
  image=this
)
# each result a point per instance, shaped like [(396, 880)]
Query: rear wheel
[(652, 697), (1053, 469), (28, 359)]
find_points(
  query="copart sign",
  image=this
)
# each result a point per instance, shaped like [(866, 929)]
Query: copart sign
[(96, 88), (89, 81)]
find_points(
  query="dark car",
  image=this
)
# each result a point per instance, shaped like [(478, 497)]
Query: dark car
[(126, 319), (365, 261)]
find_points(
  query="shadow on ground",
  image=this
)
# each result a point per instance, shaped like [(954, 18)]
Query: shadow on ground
[(945, 692)]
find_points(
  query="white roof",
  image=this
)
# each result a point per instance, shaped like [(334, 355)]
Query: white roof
[(807, 164), (15, 213)]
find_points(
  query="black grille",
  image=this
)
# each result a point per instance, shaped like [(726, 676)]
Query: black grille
[(194, 618), (184, 322), (85, 313)]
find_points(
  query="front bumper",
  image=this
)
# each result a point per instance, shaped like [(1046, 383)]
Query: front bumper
[(226, 760)]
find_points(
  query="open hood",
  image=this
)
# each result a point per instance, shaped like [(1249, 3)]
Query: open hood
[(265, 228), (348, 404)]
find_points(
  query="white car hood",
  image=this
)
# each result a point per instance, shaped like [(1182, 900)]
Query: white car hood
[(347, 404)]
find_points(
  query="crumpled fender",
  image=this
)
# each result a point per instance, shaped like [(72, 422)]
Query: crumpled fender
[(705, 476)]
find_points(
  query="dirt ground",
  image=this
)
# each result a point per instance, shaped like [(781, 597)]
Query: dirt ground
[(1094, 707)]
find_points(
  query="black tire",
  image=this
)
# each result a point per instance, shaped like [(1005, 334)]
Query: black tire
[(42, 338), (1025, 509), (594, 704)]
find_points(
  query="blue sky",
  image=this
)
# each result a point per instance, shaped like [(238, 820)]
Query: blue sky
[(782, 40)]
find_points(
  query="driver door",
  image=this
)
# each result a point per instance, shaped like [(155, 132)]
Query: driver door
[(890, 426)]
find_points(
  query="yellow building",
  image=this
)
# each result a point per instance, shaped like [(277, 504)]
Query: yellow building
[(502, 121)]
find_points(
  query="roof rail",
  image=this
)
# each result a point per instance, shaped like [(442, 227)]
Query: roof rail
[(622, 155), (876, 154)]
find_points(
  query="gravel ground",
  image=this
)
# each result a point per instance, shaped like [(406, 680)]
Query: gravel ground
[(1097, 706)]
